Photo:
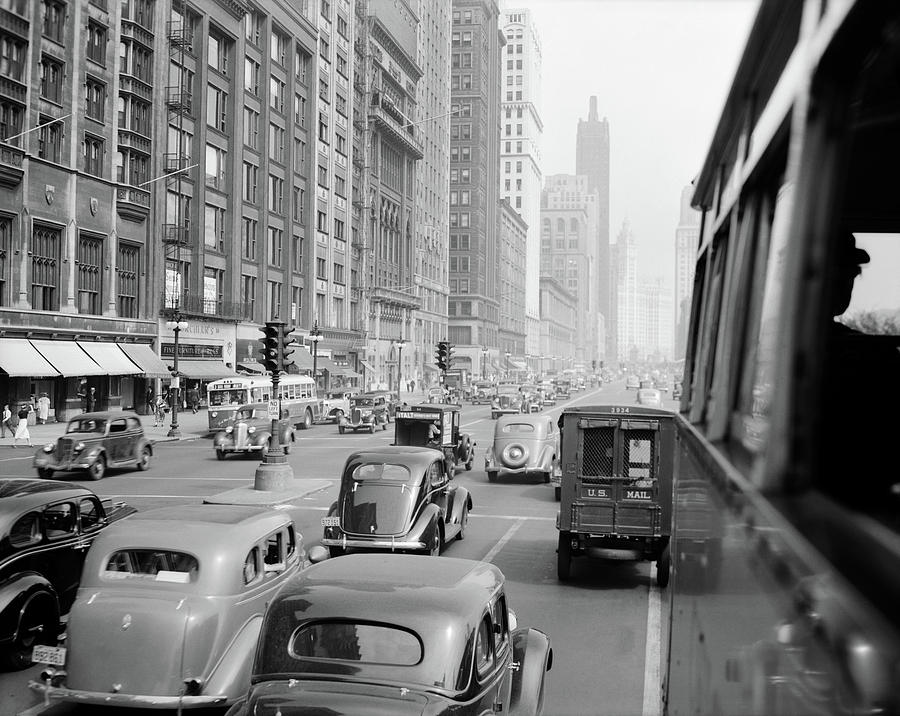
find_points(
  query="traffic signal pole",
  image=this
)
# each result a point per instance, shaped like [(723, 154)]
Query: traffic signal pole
[(274, 472)]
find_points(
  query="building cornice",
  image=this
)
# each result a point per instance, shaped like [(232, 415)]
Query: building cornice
[(397, 53), (236, 8)]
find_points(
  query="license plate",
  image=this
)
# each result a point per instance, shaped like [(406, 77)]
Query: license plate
[(331, 522), (53, 655)]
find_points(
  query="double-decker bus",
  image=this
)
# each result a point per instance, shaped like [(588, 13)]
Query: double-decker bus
[(297, 393), (785, 591)]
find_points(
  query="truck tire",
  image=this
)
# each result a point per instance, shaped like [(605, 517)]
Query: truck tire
[(564, 557)]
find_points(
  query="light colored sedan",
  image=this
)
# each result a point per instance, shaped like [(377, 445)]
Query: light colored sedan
[(524, 445), (650, 397)]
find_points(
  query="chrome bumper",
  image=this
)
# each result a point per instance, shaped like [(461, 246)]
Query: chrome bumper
[(391, 544), (60, 693)]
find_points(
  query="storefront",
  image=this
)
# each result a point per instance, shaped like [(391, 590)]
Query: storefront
[(206, 351)]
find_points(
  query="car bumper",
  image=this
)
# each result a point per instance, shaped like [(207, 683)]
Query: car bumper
[(376, 543), (73, 465), (59, 693), (242, 448)]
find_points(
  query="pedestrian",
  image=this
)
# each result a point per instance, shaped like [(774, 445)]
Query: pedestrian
[(159, 411), (193, 398), (43, 408), (22, 428), (82, 394), (90, 400), (412, 385), (5, 422)]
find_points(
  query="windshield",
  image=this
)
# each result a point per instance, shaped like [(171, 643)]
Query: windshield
[(335, 395), (87, 426), (252, 413), (227, 397), (362, 402)]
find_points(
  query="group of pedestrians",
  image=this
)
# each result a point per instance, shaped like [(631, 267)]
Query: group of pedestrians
[(20, 430)]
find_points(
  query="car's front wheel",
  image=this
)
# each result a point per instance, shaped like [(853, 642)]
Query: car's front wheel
[(463, 523), (98, 469), (492, 475), (434, 545), (143, 462), (220, 454), (307, 421), (45, 473), (36, 627)]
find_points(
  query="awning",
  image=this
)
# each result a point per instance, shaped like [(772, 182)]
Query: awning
[(254, 367), (19, 358), (302, 359), (204, 369), (110, 358), (68, 358), (345, 370), (367, 366), (325, 363), (150, 364), (518, 365)]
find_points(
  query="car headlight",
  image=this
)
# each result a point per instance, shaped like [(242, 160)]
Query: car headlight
[(251, 430), (229, 429), (49, 447), (215, 413), (78, 447)]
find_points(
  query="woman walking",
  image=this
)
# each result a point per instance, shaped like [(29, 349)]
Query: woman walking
[(43, 408), (22, 428)]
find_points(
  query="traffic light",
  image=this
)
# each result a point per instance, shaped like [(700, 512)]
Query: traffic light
[(285, 341), (442, 355), (271, 342), (449, 356)]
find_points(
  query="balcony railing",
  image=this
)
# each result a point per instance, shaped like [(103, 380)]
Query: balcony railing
[(178, 99), (176, 161), (132, 203), (196, 304), (133, 31), (11, 166), (177, 234), (179, 34), (132, 140)]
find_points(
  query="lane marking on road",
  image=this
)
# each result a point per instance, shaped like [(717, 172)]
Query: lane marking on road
[(652, 649), (503, 540)]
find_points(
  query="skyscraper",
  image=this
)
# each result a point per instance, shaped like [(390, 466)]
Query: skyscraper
[(687, 234), (520, 152), (592, 160)]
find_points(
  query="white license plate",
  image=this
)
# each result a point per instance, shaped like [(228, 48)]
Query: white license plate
[(53, 655), (331, 522)]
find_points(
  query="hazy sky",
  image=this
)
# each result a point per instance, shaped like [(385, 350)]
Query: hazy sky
[(661, 70)]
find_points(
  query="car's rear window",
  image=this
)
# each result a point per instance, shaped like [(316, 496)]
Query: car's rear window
[(518, 428), (86, 426), (380, 471), (352, 641), (151, 564)]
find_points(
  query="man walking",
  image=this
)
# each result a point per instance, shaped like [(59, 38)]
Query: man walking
[(4, 422)]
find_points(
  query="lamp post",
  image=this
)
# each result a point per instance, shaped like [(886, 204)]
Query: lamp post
[(399, 343), (484, 354), (315, 335), (177, 324), (507, 363)]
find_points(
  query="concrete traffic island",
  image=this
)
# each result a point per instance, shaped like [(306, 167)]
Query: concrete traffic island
[(274, 485)]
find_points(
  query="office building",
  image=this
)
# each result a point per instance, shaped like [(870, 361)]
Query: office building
[(687, 236)]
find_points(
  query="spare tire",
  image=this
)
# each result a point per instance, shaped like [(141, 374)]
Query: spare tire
[(514, 455)]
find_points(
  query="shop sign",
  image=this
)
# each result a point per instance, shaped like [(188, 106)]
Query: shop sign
[(190, 350)]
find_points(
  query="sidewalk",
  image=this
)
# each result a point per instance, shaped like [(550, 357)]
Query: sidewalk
[(190, 426)]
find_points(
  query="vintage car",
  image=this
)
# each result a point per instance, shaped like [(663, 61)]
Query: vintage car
[(481, 392), (532, 398), (392, 635), (366, 411), (436, 425), (94, 442), (250, 432), (507, 399), (436, 394), (563, 388), (676, 390), (632, 382), (649, 396), (170, 607), (524, 445), (46, 527), (335, 404), (548, 393), (392, 400), (398, 499)]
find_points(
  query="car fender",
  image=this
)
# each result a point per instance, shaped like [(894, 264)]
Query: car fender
[(461, 499), (16, 593), (419, 527), (532, 652), (231, 674)]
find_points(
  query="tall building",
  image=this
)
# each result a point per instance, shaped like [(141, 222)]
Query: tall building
[(520, 152), (433, 112), (569, 212), (558, 316), (687, 236), (628, 339), (592, 161), (653, 321), (473, 308), (513, 259), (161, 184)]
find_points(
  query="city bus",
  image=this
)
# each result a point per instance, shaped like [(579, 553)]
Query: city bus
[(785, 585), (297, 393)]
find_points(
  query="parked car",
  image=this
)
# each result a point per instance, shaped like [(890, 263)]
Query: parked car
[(170, 606), (385, 634), (335, 404), (250, 432), (524, 445), (507, 399), (397, 499), (436, 425), (392, 400), (649, 396), (94, 442), (46, 527), (366, 412)]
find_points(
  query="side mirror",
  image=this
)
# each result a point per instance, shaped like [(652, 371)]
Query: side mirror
[(317, 553)]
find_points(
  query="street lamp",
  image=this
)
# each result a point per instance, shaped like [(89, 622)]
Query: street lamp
[(177, 324), (484, 354), (315, 335), (399, 343), (507, 363)]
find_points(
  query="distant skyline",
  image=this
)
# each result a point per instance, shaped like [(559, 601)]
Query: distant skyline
[(661, 70)]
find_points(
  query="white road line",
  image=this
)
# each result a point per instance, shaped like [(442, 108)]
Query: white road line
[(503, 540), (652, 683)]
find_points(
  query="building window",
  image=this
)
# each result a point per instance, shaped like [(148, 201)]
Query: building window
[(45, 244), (217, 53), (278, 48), (136, 60), (251, 178), (301, 64), (214, 228), (215, 166), (299, 199), (49, 139), (274, 299), (253, 26), (276, 247), (94, 99), (300, 110), (296, 302), (251, 76), (6, 225), (51, 79), (217, 108), (340, 186), (339, 230), (132, 167), (276, 94), (276, 194), (251, 127), (93, 155), (53, 19), (297, 252), (90, 274), (321, 269), (338, 274), (321, 221), (276, 143), (322, 176), (213, 290), (248, 237), (96, 42), (127, 272), (248, 296)]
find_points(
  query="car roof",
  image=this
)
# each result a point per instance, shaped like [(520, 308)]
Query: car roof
[(441, 599), (410, 455), (21, 494), (105, 415), (430, 407), (634, 411)]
